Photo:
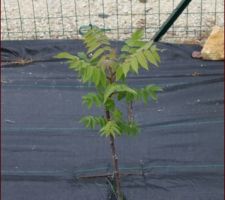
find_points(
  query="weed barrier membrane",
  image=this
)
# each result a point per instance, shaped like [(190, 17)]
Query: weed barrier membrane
[(177, 156)]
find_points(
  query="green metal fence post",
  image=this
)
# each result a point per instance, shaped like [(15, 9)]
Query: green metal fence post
[(171, 19)]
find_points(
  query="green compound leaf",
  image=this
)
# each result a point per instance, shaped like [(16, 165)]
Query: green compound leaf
[(103, 78), (97, 53), (155, 50), (134, 64), (121, 95), (125, 48), (92, 121), (133, 43), (109, 104), (66, 55), (95, 39), (142, 60), (138, 34), (96, 76), (117, 88), (126, 68), (111, 128), (151, 58), (117, 115), (92, 98), (83, 56), (129, 128), (119, 73), (152, 90), (149, 90), (90, 71)]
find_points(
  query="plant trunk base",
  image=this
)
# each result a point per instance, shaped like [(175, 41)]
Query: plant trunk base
[(112, 190)]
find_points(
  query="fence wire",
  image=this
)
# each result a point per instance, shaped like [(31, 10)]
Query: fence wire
[(66, 19)]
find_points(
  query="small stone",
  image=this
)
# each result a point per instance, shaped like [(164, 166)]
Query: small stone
[(10, 121), (214, 45), (195, 74), (196, 54)]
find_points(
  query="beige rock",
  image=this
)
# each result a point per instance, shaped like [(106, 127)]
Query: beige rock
[(214, 45)]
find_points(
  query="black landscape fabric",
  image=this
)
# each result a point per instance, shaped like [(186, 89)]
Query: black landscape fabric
[(177, 156)]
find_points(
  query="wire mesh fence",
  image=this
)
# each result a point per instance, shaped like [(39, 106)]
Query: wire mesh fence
[(67, 19)]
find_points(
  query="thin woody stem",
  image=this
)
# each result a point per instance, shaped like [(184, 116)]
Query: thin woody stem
[(115, 163), (116, 173), (130, 112)]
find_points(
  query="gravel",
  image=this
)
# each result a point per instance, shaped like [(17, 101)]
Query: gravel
[(52, 19)]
